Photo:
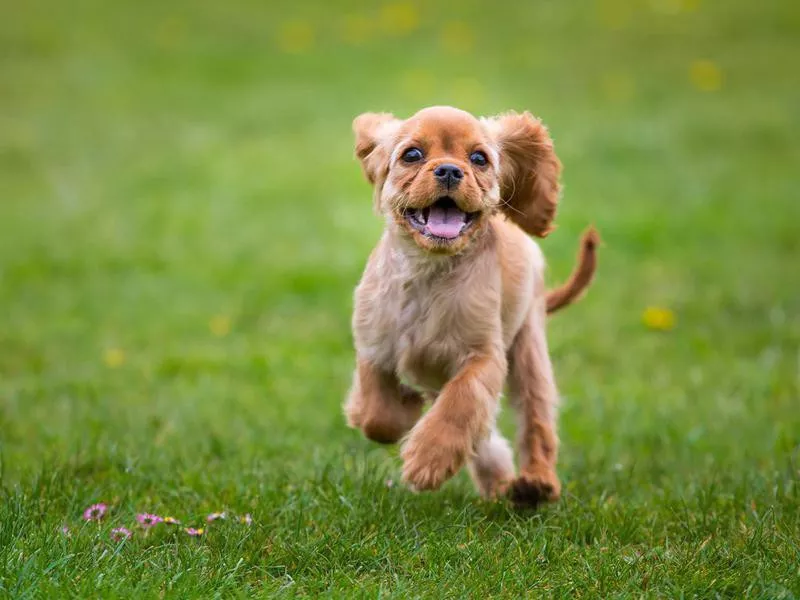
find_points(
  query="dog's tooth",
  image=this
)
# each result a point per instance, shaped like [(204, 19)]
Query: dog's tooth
[(421, 216)]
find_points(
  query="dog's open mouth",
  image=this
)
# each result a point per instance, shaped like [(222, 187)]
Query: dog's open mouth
[(442, 220)]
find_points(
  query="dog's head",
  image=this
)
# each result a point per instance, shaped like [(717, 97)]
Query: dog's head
[(440, 174)]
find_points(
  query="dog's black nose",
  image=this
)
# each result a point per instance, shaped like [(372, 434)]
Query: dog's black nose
[(449, 175)]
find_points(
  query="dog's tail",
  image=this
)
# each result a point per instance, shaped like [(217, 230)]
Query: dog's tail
[(581, 276)]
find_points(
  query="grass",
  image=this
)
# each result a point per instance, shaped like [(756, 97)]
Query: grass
[(181, 227)]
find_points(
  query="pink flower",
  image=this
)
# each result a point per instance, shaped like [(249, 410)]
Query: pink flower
[(65, 530), (246, 520), (171, 521), (194, 532), (120, 533), (216, 516), (148, 520), (95, 512)]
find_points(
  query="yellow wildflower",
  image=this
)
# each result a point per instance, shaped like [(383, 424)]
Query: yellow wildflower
[(690, 5), (614, 14), (705, 75), (296, 37), (114, 357), (658, 318), (220, 325), (399, 18)]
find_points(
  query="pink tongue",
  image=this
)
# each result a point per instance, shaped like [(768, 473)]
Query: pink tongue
[(446, 222)]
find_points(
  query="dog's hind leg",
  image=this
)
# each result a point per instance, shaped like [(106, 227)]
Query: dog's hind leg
[(382, 407), (492, 465), (534, 396)]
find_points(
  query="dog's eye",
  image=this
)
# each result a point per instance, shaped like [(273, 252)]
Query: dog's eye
[(412, 155), (478, 158)]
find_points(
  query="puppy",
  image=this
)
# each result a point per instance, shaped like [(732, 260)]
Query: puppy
[(452, 303)]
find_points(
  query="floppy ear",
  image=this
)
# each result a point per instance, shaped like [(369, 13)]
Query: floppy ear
[(374, 133), (529, 171)]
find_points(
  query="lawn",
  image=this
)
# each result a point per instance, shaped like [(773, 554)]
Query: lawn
[(182, 223)]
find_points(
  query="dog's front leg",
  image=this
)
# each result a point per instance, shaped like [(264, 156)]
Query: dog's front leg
[(378, 404), (460, 418)]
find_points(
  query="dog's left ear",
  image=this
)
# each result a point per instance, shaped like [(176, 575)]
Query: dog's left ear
[(374, 139), (529, 171)]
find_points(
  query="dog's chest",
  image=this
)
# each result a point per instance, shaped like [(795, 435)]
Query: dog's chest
[(422, 328), (431, 342)]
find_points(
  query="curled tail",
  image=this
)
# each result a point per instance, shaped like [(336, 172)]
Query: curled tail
[(581, 276)]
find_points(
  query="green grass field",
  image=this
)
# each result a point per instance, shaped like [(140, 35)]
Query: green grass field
[(181, 227)]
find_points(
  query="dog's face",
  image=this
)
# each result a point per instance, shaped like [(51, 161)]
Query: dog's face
[(440, 174)]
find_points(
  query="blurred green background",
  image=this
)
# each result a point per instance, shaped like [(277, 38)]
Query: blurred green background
[(182, 224)]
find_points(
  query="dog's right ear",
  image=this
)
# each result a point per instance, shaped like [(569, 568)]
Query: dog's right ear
[(374, 141)]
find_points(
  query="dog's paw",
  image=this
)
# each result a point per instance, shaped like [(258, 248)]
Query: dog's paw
[(353, 409), (428, 463), (352, 418), (424, 471), (531, 490)]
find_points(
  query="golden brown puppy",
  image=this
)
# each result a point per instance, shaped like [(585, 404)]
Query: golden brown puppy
[(452, 303)]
